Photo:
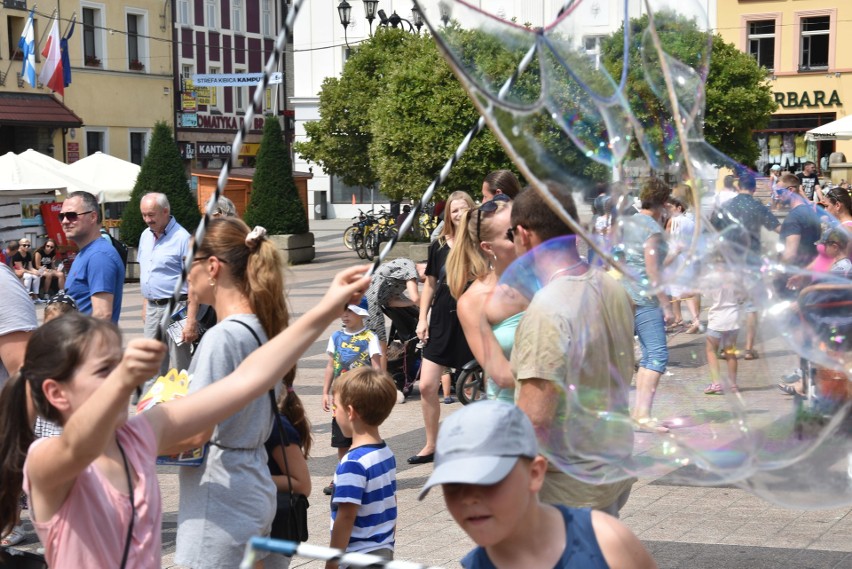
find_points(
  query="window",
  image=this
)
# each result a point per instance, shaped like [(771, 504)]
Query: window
[(240, 94), (134, 57), (138, 142), (592, 46), (761, 42), (184, 12), (95, 141), (214, 91), (341, 193), (815, 43), (266, 18), (15, 27), (91, 36), (210, 9), (237, 15)]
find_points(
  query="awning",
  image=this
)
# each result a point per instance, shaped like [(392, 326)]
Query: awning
[(26, 109), (841, 129)]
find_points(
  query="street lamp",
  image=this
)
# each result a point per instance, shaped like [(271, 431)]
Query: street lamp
[(371, 11), (344, 11), (444, 9)]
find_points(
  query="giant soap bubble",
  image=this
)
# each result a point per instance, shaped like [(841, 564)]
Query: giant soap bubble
[(564, 117)]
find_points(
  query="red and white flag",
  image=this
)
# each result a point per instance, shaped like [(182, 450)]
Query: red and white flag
[(51, 71)]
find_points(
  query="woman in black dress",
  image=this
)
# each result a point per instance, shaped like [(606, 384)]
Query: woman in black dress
[(445, 344)]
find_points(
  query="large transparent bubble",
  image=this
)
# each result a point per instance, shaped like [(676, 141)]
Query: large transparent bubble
[(780, 425)]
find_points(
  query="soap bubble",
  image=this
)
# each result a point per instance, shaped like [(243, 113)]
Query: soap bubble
[(570, 120)]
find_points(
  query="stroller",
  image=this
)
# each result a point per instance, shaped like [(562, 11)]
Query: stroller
[(403, 351)]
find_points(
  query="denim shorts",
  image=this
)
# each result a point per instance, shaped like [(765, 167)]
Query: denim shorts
[(727, 338), (650, 326)]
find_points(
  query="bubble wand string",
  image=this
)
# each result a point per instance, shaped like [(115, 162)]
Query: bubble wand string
[(290, 548), (257, 100)]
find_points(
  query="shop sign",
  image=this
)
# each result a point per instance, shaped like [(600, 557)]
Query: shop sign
[(792, 99), (187, 150), (208, 150), (188, 102), (188, 120), (227, 122), (235, 79)]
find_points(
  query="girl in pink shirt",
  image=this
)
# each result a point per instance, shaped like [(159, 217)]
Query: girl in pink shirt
[(79, 483)]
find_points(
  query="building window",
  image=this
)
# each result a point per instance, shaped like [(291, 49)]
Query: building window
[(214, 91), (815, 43), (592, 46), (184, 12), (92, 36), (210, 10), (761, 42), (266, 18), (134, 51), (237, 15), (95, 141), (341, 193), (240, 94), (15, 27), (138, 142)]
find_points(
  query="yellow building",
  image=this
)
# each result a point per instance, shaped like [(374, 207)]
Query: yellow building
[(121, 79), (806, 47)]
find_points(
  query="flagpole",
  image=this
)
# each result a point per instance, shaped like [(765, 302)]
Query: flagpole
[(46, 30), (71, 23)]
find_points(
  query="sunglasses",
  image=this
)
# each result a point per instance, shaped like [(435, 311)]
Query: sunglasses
[(72, 215), (24, 245), (827, 243), (488, 207)]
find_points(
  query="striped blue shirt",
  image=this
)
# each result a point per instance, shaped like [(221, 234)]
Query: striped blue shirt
[(367, 476)]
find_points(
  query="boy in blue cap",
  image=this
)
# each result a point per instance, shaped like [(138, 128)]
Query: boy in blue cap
[(488, 464)]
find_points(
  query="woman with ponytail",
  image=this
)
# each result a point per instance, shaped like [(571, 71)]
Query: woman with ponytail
[(489, 313), (93, 490)]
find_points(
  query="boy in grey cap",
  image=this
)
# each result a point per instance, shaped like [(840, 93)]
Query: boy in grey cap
[(488, 465)]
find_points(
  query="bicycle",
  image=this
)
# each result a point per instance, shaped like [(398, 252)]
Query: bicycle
[(352, 230)]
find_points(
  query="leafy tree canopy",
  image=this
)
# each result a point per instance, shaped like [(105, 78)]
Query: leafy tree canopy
[(162, 171), (274, 202), (738, 97)]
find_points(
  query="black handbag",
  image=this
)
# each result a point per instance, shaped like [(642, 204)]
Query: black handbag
[(291, 512)]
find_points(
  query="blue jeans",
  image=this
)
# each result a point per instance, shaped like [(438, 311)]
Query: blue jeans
[(650, 326)]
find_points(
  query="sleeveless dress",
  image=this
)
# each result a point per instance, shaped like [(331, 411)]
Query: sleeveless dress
[(505, 333)]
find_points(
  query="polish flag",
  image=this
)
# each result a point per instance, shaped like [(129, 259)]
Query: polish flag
[(51, 71)]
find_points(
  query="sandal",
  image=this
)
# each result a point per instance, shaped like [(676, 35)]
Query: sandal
[(674, 326), (14, 537), (649, 426), (694, 327), (713, 389), (789, 389), (750, 355)]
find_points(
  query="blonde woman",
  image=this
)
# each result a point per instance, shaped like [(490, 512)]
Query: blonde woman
[(438, 326)]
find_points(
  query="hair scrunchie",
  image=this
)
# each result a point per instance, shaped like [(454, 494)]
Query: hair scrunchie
[(255, 236)]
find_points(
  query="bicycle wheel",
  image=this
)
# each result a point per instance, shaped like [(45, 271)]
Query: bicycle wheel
[(358, 245), (470, 385), (349, 237), (371, 243)]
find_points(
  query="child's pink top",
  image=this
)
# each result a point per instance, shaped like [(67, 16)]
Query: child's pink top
[(90, 528)]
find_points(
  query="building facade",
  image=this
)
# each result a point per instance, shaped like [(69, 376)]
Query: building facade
[(216, 37), (121, 78), (806, 48), (320, 51)]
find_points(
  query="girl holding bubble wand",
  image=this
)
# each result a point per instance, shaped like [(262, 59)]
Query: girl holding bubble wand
[(80, 483)]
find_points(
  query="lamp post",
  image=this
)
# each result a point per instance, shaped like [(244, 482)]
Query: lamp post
[(344, 12), (371, 11)]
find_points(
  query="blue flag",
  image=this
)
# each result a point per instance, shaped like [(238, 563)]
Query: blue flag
[(66, 60), (27, 46)]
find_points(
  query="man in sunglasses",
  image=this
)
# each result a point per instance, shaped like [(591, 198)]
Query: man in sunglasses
[(96, 278)]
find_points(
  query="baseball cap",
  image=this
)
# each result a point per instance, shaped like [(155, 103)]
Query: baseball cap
[(776, 168), (480, 444), (837, 235), (362, 308)]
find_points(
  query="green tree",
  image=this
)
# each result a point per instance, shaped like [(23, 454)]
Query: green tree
[(395, 115), (274, 202), (738, 97), (162, 171)]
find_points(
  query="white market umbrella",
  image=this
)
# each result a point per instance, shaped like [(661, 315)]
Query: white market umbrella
[(841, 129), (21, 176), (110, 178)]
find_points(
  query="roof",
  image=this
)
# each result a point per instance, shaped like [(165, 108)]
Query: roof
[(242, 173), (29, 109)]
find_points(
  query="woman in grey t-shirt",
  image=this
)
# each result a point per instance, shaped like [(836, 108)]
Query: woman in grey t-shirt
[(231, 496)]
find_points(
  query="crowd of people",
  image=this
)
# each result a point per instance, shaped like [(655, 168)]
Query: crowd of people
[(569, 321)]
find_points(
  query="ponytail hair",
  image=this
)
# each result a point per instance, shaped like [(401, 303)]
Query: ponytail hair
[(255, 266), (290, 405), (467, 261), (54, 351)]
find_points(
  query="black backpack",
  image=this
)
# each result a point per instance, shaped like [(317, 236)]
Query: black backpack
[(120, 247)]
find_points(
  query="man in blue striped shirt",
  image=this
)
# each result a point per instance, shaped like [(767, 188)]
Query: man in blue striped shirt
[(363, 507)]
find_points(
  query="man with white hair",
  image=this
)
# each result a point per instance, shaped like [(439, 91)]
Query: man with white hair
[(162, 249)]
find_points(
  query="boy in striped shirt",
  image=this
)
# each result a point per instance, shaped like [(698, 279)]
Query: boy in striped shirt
[(363, 507)]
